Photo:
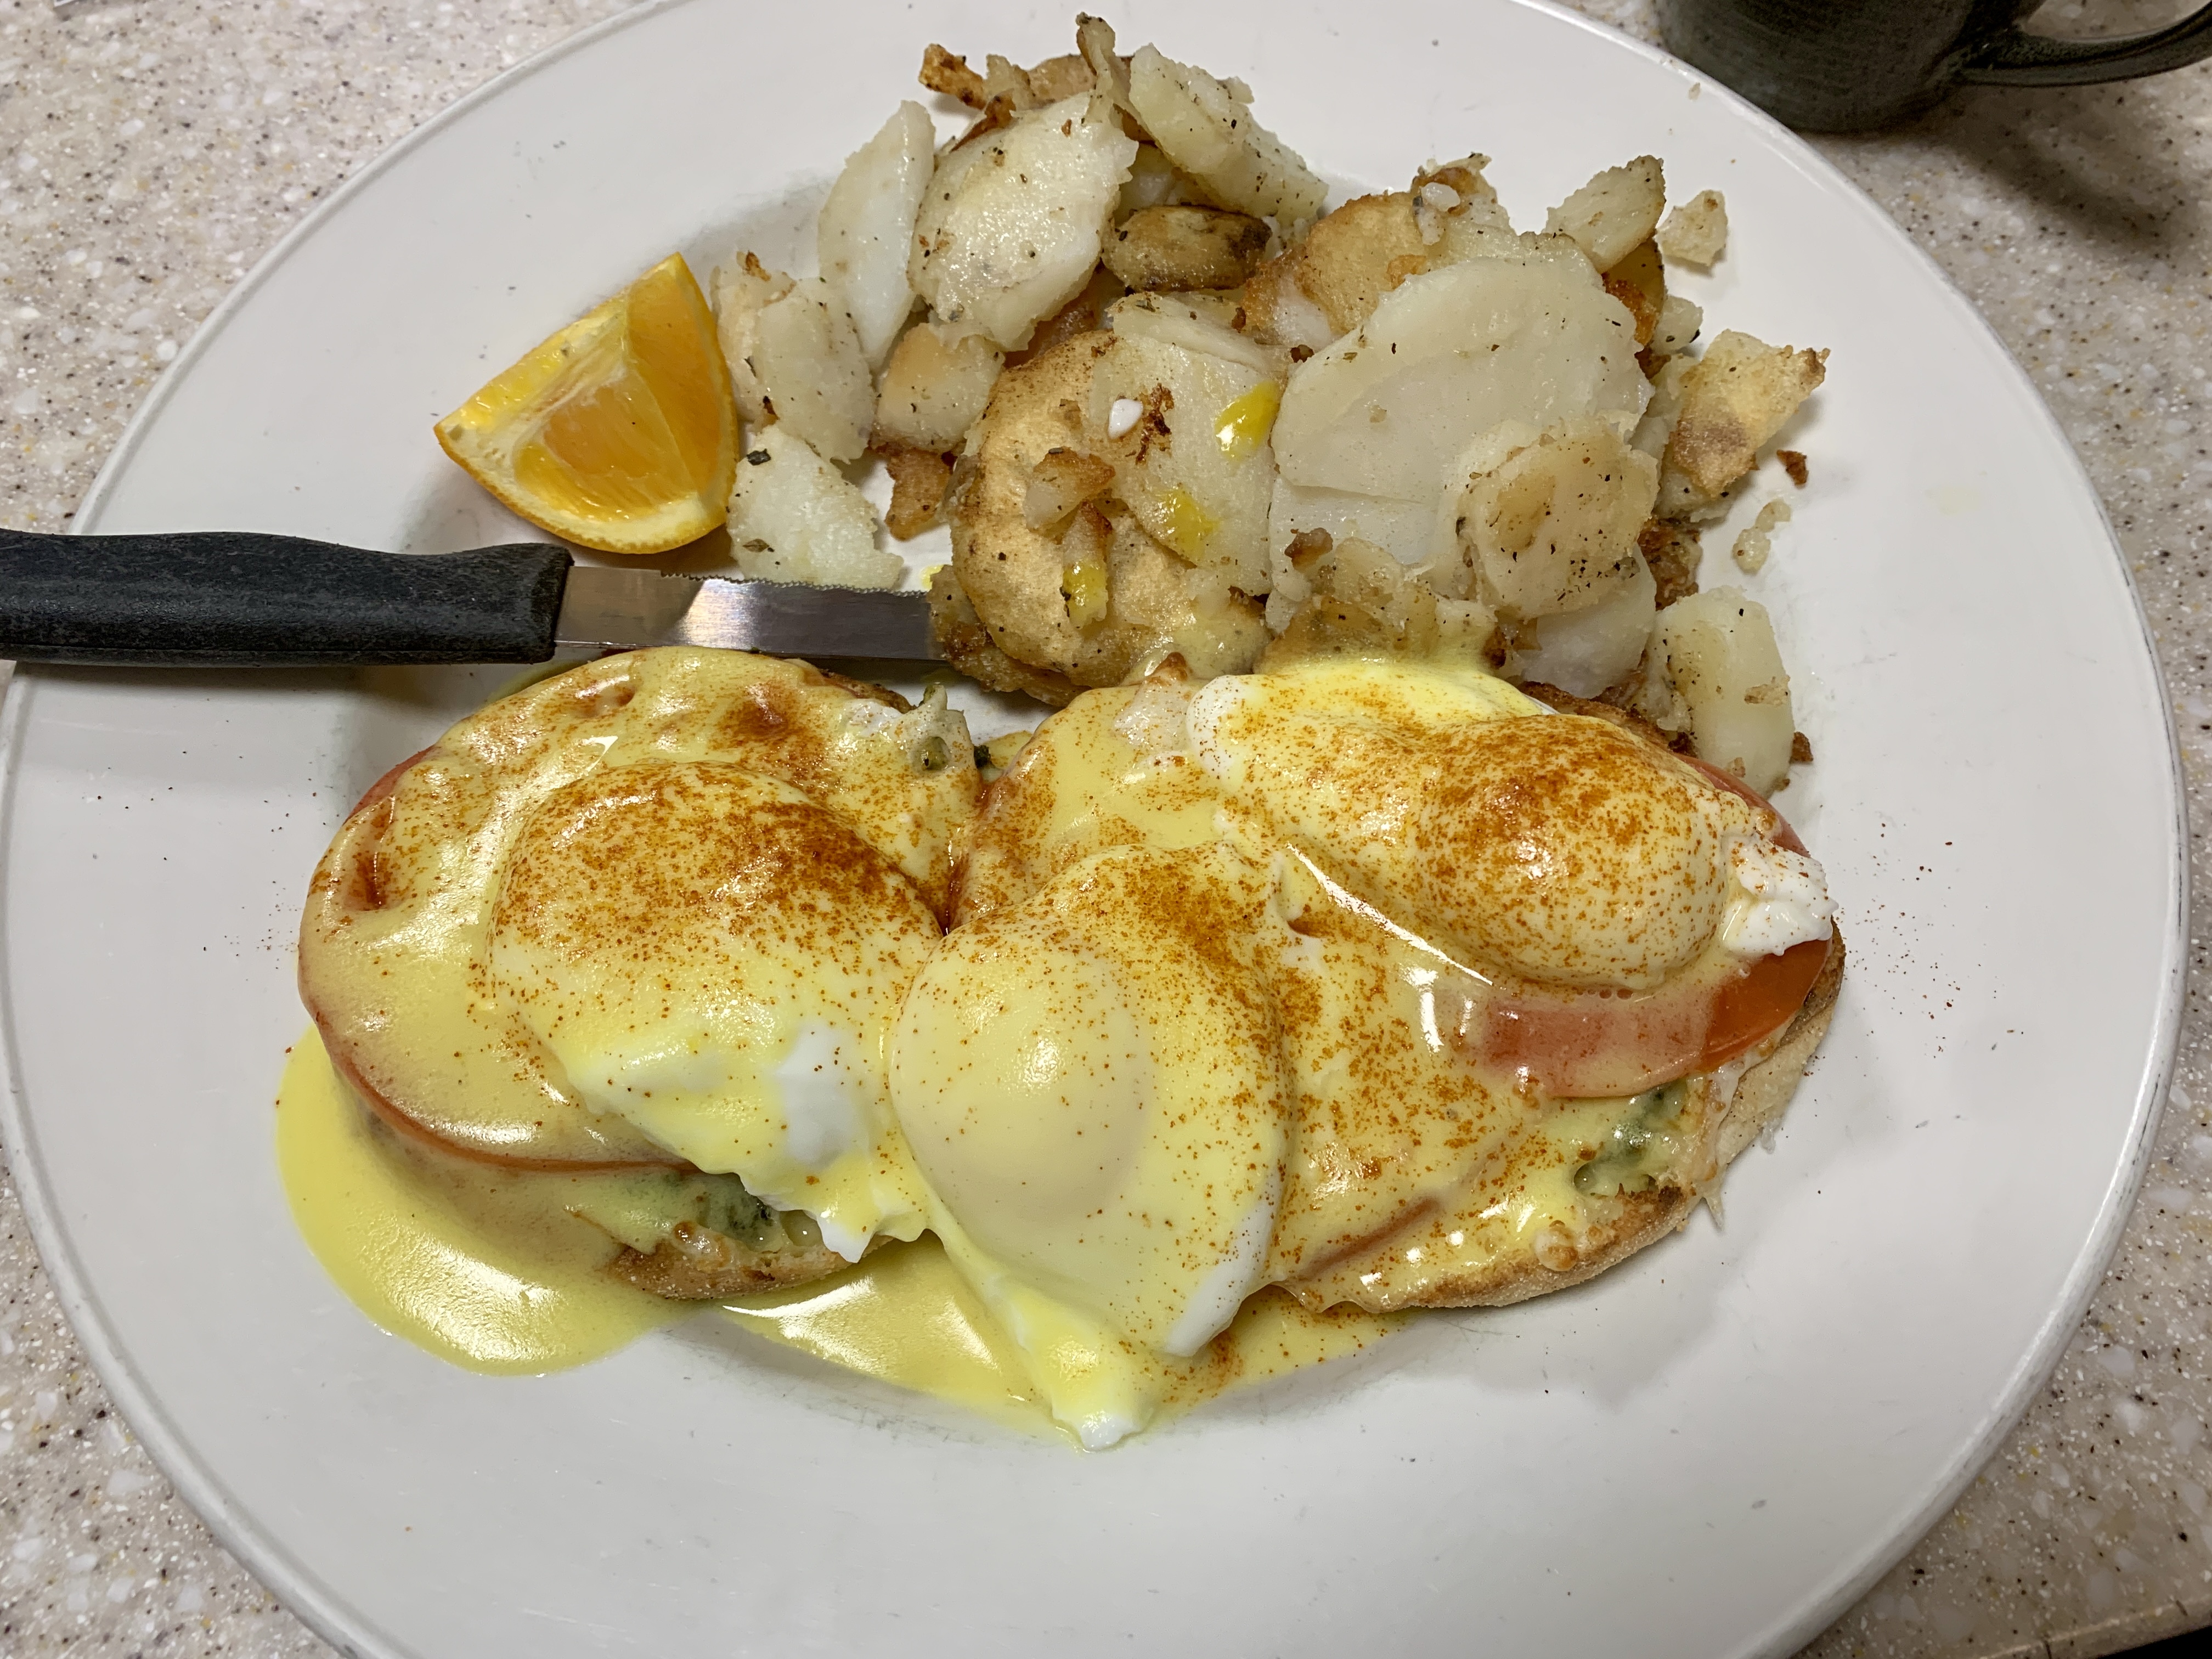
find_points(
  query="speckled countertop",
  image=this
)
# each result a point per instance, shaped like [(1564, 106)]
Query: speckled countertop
[(151, 150)]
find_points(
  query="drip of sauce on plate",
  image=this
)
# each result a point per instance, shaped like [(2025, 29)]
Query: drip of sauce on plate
[(495, 1270), (481, 1266)]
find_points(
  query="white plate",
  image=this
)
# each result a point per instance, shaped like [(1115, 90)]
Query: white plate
[(1707, 1452)]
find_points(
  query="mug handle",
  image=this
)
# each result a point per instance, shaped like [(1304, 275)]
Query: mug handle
[(2014, 58)]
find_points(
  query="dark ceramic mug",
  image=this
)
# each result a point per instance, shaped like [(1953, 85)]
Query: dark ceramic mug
[(1840, 65)]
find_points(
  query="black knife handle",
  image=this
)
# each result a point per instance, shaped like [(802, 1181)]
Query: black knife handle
[(217, 598)]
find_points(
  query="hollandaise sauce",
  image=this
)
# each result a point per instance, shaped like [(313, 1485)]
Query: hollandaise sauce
[(505, 1271), (489, 1268), (906, 1315)]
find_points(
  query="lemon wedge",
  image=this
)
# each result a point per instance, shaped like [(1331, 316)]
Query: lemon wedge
[(619, 432)]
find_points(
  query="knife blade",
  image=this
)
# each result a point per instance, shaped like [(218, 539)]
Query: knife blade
[(621, 609), (244, 599)]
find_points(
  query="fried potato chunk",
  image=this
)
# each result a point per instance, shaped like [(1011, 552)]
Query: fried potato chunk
[(1018, 577), (1673, 553), (1734, 398), (1184, 246), (1669, 375), (968, 646), (861, 237), (1059, 78), (1406, 529), (1679, 320), (1011, 571), (935, 385), (1616, 211), (794, 518), (1362, 601), (1202, 320), (1085, 311), (1384, 411), (1445, 191), (793, 355), (1696, 233), (1155, 181), (1047, 83), (1596, 648), (1011, 226), (1638, 280), (742, 289), (812, 370), (1546, 526), (1206, 130), (1003, 78), (920, 478), (947, 72), (1331, 281), (1109, 70), (1061, 482), (1717, 652), (1327, 627), (1183, 409), (1546, 522)]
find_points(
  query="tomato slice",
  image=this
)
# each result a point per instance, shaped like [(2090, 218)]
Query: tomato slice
[(422, 1133), (1591, 1045), (1767, 997), (397, 1116), (1596, 1045), (1784, 834), (1600, 1044), (382, 788)]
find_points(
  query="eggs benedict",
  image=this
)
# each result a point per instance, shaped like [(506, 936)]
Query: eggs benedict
[(657, 913), (1380, 982), (1364, 985)]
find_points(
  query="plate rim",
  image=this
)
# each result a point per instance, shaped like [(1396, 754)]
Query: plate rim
[(349, 1628)]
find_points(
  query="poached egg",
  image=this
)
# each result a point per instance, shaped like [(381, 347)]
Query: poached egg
[(1252, 979), (661, 910)]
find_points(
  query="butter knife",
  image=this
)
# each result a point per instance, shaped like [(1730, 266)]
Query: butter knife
[(220, 598)]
